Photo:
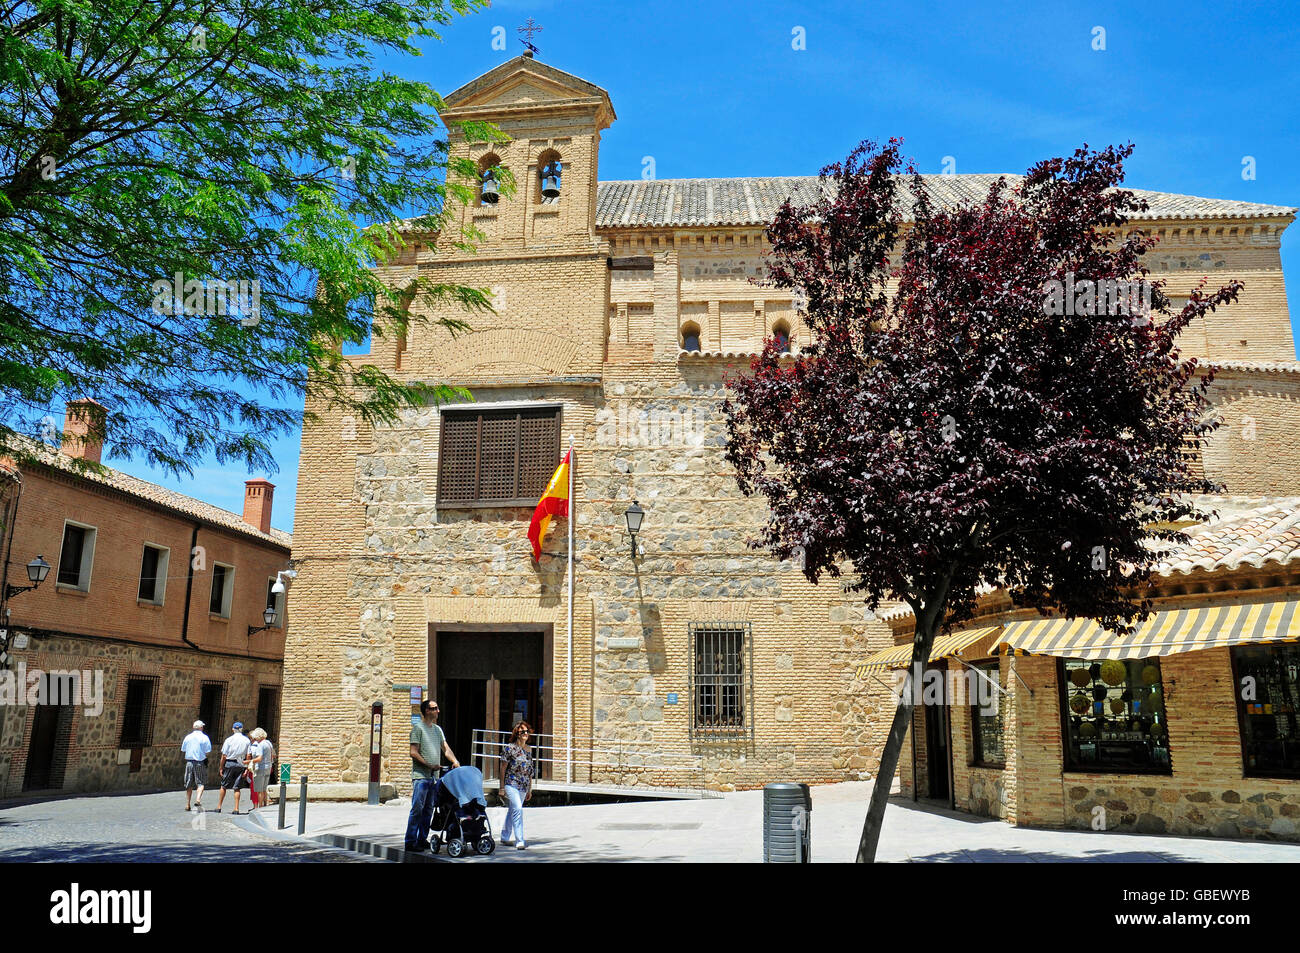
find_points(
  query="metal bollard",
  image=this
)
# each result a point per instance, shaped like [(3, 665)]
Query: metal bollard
[(302, 804), (282, 799)]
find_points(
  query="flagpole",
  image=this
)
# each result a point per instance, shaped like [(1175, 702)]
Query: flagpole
[(573, 506)]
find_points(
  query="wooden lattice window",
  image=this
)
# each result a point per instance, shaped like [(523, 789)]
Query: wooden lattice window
[(497, 457)]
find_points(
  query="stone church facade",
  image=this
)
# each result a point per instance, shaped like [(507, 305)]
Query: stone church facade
[(620, 309)]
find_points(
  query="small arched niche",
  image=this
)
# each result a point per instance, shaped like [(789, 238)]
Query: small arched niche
[(781, 334), (690, 336)]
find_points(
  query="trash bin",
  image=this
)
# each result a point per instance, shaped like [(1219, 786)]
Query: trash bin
[(787, 823)]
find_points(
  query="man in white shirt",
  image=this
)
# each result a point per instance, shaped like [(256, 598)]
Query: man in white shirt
[(195, 748), (233, 752)]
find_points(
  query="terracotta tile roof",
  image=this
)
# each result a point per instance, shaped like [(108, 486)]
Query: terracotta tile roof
[(153, 493), (1248, 532), (1262, 367), (753, 201)]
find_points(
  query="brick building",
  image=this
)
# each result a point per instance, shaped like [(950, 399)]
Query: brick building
[(150, 597), (620, 309)]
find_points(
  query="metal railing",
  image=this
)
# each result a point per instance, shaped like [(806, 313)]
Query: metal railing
[(626, 764)]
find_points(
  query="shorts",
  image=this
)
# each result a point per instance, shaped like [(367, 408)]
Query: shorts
[(259, 781), (196, 774), (232, 776)]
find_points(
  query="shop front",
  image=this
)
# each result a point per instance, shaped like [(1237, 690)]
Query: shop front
[(1188, 725)]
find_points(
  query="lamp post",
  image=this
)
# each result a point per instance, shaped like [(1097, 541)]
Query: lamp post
[(634, 516), (37, 570)]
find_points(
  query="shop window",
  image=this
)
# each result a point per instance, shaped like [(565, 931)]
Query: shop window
[(1268, 705), (497, 457), (988, 717), (720, 677), (1114, 716), (137, 713)]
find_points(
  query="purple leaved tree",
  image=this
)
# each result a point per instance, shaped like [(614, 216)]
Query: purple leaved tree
[(1012, 411)]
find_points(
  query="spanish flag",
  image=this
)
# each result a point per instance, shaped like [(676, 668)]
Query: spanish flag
[(554, 502)]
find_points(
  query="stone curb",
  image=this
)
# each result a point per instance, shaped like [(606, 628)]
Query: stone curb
[(254, 823)]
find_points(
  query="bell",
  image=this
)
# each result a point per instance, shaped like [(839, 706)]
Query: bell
[(490, 192), (551, 180)]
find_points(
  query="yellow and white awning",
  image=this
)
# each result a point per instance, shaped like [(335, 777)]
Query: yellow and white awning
[(945, 646), (1165, 633)]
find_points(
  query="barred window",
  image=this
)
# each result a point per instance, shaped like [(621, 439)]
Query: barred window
[(721, 677), (1268, 705), (497, 457), (137, 713)]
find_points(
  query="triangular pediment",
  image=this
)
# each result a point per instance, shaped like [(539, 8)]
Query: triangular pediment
[(521, 81)]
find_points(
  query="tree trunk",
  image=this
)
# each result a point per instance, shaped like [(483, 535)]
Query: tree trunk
[(921, 642)]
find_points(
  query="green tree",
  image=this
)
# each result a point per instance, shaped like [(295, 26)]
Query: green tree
[(147, 145)]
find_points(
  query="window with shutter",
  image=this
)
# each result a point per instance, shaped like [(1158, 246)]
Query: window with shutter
[(497, 457)]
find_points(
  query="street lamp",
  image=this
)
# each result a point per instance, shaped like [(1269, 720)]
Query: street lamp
[(37, 570), (268, 616), (634, 516)]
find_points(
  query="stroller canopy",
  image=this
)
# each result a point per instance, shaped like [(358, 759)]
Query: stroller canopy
[(465, 784)]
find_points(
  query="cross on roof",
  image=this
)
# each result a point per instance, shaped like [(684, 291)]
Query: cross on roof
[(528, 30)]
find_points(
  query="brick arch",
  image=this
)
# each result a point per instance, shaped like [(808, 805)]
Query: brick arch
[(512, 347)]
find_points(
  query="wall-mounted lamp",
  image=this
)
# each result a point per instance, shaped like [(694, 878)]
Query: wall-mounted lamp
[(278, 586), (634, 516), (268, 616), (37, 570)]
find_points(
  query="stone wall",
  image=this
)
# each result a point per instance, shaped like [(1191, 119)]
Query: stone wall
[(94, 761)]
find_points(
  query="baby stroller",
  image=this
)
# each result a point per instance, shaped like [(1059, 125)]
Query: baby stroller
[(460, 814)]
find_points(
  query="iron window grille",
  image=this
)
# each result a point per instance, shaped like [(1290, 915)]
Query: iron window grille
[(137, 713), (212, 708), (722, 682), (497, 457)]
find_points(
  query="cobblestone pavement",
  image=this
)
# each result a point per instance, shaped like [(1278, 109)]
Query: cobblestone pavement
[(128, 828)]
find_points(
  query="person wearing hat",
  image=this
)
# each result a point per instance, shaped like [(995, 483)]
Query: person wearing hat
[(195, 748), (233, 752)]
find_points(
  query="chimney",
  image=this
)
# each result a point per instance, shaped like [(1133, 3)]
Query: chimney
[(257, 503), (83, 430)]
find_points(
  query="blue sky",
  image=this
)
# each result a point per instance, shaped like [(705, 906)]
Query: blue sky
[(717, 89)]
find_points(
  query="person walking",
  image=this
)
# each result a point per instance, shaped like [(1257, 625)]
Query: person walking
[(516, 783), (195, 747), (428, 745), (233, 752), (261, 757)]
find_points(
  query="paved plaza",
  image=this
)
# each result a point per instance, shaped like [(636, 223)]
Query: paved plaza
[(728, 830)]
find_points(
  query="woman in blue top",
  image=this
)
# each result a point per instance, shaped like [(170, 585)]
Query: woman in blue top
[(516, 783)]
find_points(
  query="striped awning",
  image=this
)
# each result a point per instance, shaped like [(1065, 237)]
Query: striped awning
[(1164, 633), (945, 646)]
